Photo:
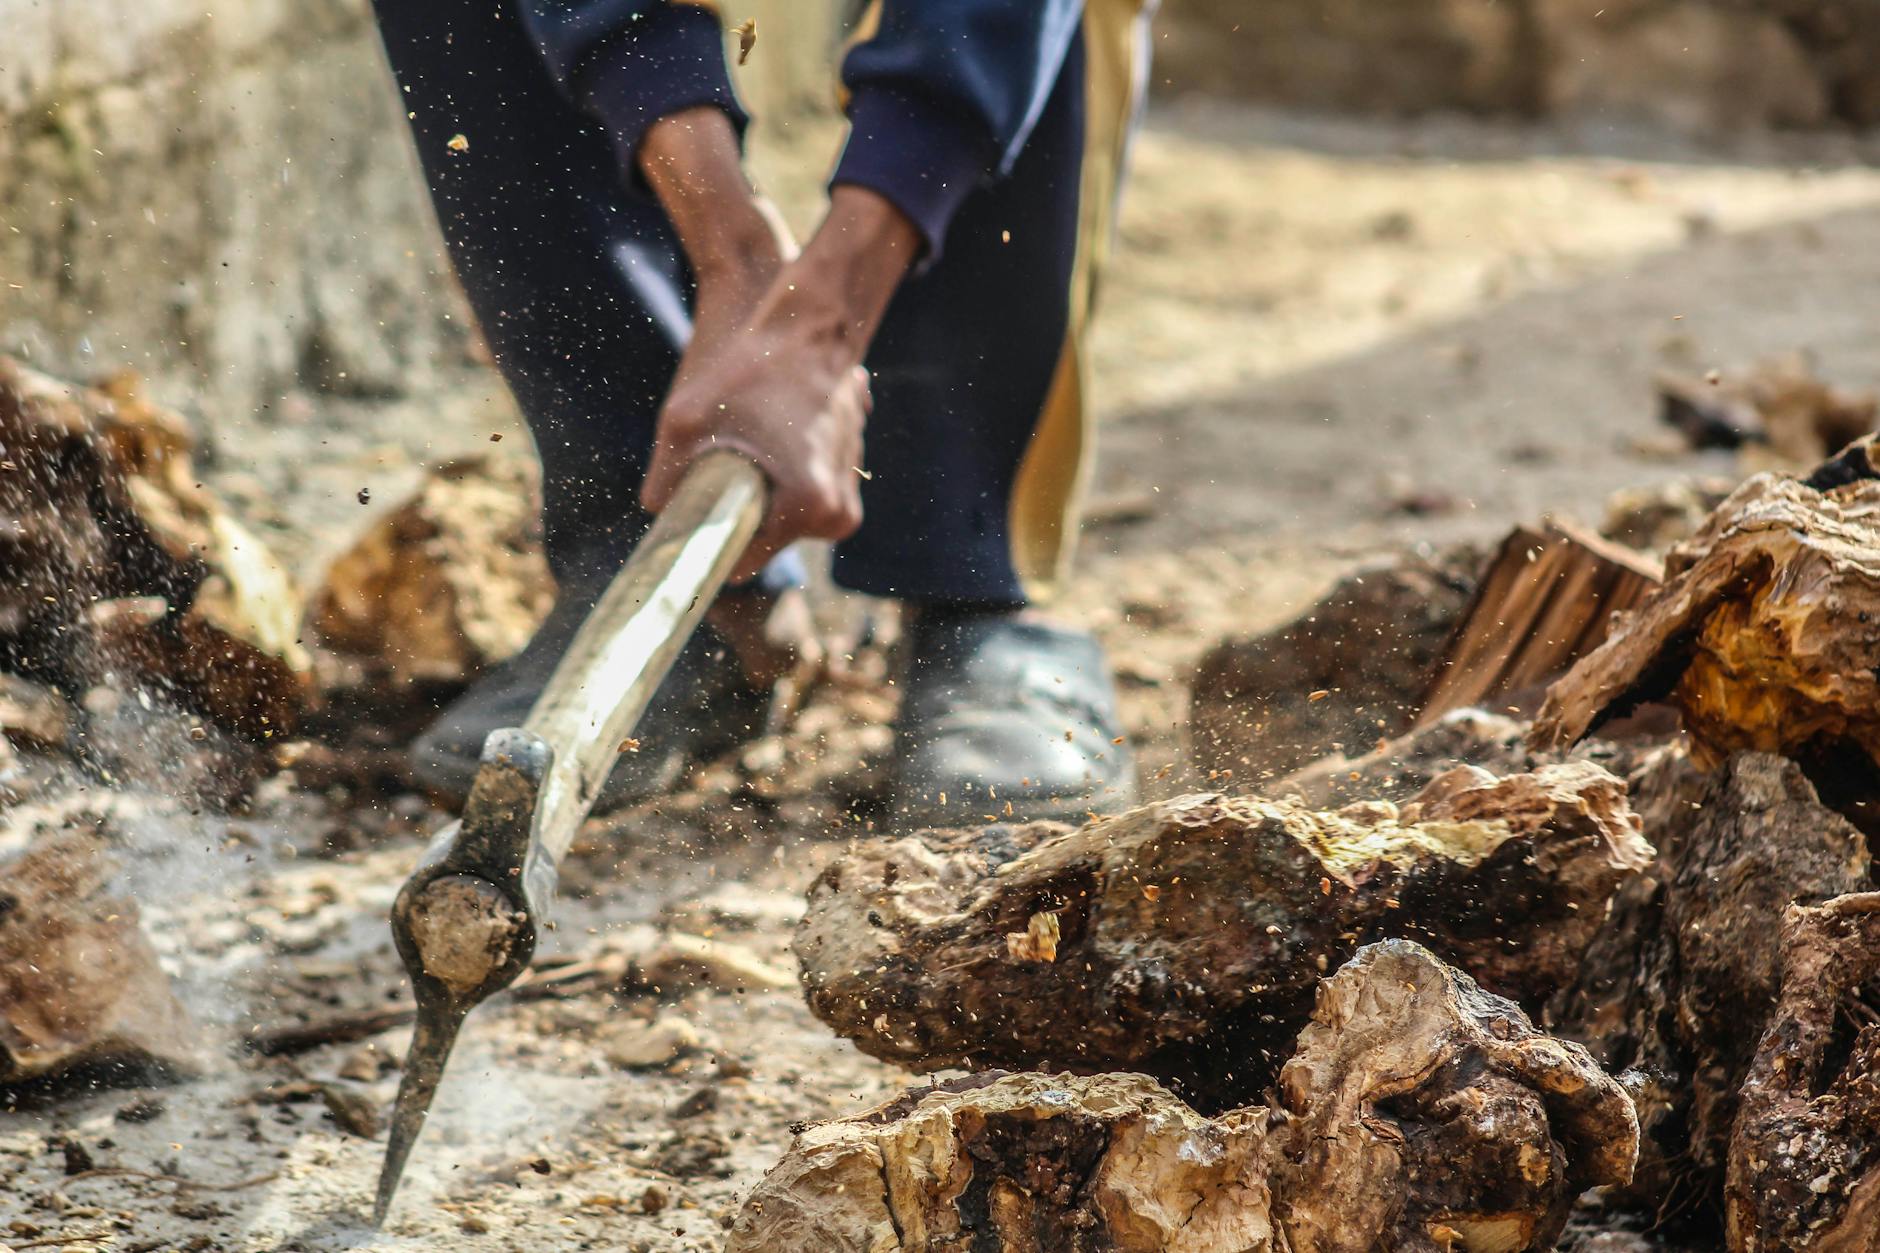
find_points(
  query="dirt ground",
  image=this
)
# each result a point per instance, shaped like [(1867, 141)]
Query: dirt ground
[(1321, 339)]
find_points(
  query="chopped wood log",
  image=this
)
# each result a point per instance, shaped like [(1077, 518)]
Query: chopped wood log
[(1186, 938), (1761, 636), (1686, 971), (1348, 672), (116, 564), (446, 583), (1545, 600), (80, 986), (1419, 1113), (1805, 1155)]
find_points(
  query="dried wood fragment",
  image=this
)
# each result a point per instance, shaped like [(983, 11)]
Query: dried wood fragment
[(1189, 935), (1761, 636), (1419, 1113), (1805, 1156), (79, 984), (445, 583), (117, 565), (1365, 651), (1686, 971), (1779, 404), (1545, 600), (32, 716)]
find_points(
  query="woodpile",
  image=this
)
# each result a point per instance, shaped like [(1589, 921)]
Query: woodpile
[(1206, 997), (1419, 1112)]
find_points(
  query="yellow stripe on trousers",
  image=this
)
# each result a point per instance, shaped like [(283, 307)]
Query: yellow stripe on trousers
[(1047, 500)]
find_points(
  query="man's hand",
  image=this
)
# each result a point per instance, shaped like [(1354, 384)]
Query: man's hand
[(787, 388)]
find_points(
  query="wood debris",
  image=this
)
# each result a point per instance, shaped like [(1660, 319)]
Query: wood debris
[(79, 983), (1546, 599), (1779, 406), (906, 947), (1417, 1112), (1761, 635), (120, 565), (443, 584)]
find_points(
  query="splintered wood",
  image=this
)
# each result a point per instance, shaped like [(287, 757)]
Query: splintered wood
[(444, 584), (79, 984), (1762, 635), (1418, 1112), (1546, 600), (1186, 938), (115, 563)]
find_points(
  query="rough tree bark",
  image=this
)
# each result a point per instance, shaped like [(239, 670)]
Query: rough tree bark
[(1805, 1156), (114, 562), (1419, 1113), (1186, 938), (1761, 635), (79, 984), (1685, 973)]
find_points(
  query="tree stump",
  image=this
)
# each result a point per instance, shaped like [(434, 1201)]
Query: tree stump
[(1419, 1113), (1187, 938)]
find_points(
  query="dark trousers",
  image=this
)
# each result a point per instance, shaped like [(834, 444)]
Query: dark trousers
[(583, 294)]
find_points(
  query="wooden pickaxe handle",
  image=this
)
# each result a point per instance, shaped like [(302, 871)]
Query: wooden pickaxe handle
[(466, 921), (633, 635)]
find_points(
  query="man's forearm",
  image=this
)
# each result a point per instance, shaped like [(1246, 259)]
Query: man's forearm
[(691, 161)]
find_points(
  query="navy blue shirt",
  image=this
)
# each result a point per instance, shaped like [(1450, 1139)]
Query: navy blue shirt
[(942, 95)]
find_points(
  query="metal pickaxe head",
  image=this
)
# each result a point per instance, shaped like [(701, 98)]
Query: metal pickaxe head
[(466, 923)]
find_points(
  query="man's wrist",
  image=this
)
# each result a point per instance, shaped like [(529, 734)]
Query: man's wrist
[(691, 161), (841, 284)]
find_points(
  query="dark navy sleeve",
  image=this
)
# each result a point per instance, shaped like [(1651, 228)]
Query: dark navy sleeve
[(943, 96), (631, 62)]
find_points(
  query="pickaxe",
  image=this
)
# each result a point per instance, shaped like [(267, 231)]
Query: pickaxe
[(466, 921)]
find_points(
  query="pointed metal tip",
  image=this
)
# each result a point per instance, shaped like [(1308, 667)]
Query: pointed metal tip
[(424, 1067)]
